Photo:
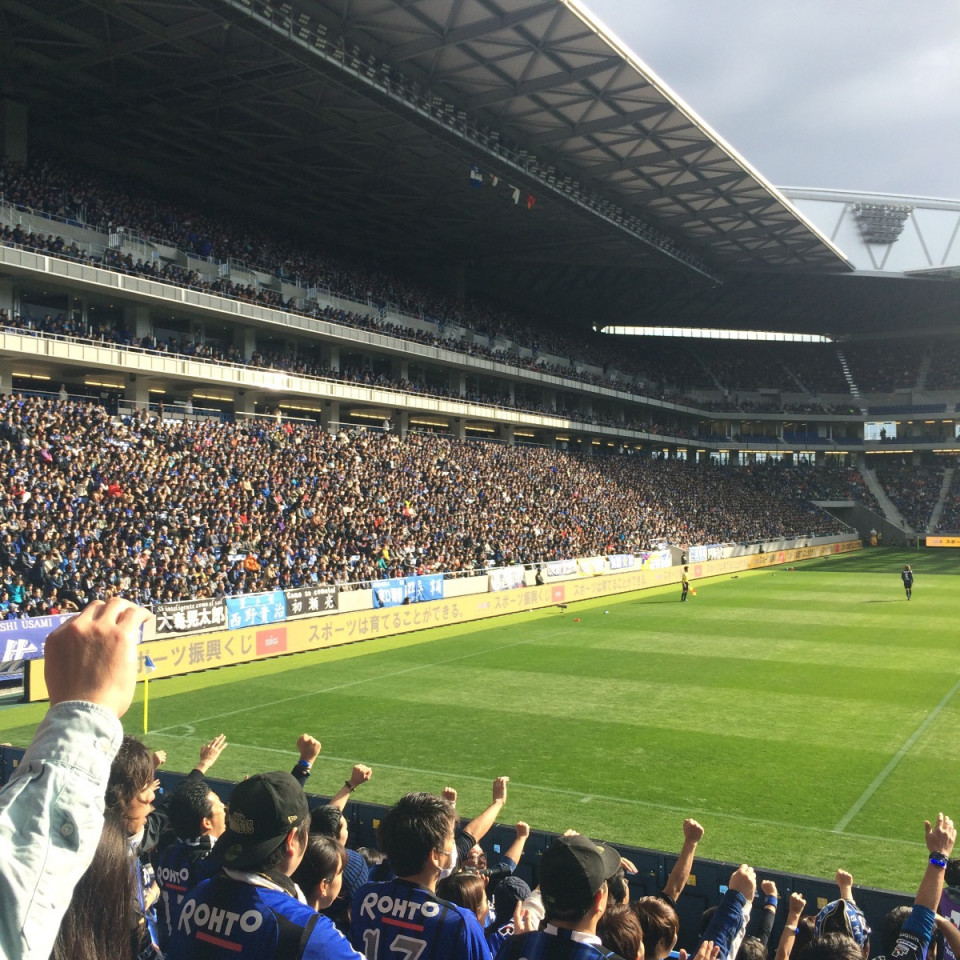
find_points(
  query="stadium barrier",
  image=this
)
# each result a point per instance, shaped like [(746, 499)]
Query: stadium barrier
[(707, 884), (263, 631)]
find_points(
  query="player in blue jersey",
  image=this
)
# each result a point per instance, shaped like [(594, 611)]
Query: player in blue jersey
[(906, 575), (404, 917), (252, 908)]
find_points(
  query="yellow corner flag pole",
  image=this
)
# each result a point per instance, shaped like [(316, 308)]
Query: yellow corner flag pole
[(148, 667)]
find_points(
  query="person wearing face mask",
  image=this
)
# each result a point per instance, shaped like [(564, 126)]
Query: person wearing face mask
[(404, 916)]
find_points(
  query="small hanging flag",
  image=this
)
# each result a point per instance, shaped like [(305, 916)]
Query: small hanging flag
[(476, 177)]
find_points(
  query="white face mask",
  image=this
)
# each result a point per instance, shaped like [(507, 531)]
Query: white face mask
[(453, 865)]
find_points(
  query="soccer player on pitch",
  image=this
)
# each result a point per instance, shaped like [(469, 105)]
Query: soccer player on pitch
[(906, 575)]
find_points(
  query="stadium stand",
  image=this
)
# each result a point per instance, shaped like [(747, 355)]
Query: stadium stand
[(161, 509)]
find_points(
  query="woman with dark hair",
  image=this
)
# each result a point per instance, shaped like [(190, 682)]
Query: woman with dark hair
[(320, 874), (101, 918), (131, 791), (469, 890)]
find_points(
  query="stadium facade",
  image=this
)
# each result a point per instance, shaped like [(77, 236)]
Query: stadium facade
[(509, 155)]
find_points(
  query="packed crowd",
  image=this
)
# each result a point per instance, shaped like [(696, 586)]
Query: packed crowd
[(161, 509), (914, 490), (660, 369), (307, 361), (950, 515), (188, 878)]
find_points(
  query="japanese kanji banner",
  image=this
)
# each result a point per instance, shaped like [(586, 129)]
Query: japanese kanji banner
[(189, 616), (312, 600)]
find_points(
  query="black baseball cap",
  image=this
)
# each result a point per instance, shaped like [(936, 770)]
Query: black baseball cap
[(263, 810), (573, 869)]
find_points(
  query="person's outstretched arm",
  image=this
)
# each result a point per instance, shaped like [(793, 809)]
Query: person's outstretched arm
[(51, 810)]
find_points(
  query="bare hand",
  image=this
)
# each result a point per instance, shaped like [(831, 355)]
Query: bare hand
[(941, 836), (523, 830), (795, 911), (522, 921), (309, 747), (361, 774), (93, 657), (209, 752), (707, 950), (769, 888), (692, 831), (448, 793), (159, 758), (744, 880), (844, 881), (628, 865), (500, 789)]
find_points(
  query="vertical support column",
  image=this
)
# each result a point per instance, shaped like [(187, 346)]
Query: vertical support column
[(333, 358), (458, 428), (136, 316), (330, 415), (401, 423), (6, 375), (400, 368), (458, 381), (6, 296), (550, 399), (507, 433), (243, 404), (137, 390), (245, 340)]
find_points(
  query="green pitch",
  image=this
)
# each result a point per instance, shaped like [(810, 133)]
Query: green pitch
[(809, 719)]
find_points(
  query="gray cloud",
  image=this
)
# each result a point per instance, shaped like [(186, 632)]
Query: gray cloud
[(841, 94)]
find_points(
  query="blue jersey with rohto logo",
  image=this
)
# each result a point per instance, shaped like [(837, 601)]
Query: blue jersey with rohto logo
[(229, 919), (398, 919)]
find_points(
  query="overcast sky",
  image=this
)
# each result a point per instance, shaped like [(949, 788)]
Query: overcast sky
[(843, 94)]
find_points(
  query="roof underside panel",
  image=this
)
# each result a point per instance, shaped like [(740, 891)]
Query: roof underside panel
[(345, 122)]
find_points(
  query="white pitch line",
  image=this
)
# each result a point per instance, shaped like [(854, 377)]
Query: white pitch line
[(340, 686), (881, 777), (447, 776)]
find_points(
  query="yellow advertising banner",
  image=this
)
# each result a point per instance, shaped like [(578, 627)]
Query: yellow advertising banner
[(943, 541), (190, 653)]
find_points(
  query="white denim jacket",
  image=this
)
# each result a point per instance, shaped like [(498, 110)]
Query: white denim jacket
[(51, 817)]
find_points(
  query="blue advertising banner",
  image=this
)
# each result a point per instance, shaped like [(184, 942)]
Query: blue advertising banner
[(24, 639), (393, 593), (255, 609)]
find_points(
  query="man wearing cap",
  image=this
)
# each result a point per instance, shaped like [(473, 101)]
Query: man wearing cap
[(573, 885), (404, 917), (252, 907)]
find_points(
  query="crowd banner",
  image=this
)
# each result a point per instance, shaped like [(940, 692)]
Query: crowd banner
[(507, 578), (400, 590), (591, 566), (186, 616), (24, 639), (317, 598), (697, 554), (174, 656), (560, 568), (256, 609), (655, 559), (621, 561)]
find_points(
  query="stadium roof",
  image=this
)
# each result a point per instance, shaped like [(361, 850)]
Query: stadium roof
[(358, 122)]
